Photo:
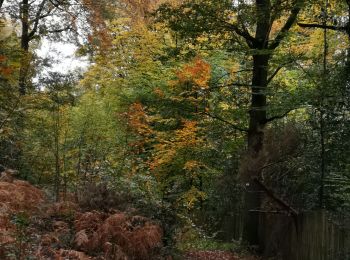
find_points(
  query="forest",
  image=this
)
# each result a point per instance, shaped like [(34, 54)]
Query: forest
[(187, 129)]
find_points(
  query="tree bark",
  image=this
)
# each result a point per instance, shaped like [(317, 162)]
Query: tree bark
[(255, 146), (257, 119), (25, 39), (57, 183)]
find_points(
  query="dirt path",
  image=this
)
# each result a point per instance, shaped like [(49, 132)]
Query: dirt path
[(216, 255)]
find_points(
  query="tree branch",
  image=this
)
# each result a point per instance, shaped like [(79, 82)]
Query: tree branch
[(290, 21), (244, 33), (229, 85), (37, 19), (277, 70), (274, 74), (271, 164), (226, 122), (322, 26), (60, 30), (278, 116)]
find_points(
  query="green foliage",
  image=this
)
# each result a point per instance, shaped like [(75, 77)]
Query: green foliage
[(160, 118), (192, 238), (21, 235)]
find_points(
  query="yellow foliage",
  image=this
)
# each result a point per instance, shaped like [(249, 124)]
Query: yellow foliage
[(192, 165), (191, 197), (165, 151), (187, 135)]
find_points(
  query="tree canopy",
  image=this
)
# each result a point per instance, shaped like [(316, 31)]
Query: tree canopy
[(203, 112)]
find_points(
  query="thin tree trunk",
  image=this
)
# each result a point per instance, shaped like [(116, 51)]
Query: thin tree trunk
[(57, 155), (25, 39), (322, 111)]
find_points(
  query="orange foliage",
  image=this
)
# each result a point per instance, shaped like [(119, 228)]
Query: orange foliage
[(15, 197), (138, 124), (138, 119), (86, 226), (99, 26), (6, 237), (197, 72), (71, 254), (61, 254), (19, 196), (159, 92), (60, 227), (6, 71), (112, 236), (135, 237), (3, 58), (187, 136), (63, 208), (140, 10), (89, 221)]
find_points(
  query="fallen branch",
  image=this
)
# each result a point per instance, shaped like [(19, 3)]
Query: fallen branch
[(279, 201)]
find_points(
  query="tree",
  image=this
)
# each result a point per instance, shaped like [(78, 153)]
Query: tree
[(37, 19), (331, 99), (10, 108), (205, 17)]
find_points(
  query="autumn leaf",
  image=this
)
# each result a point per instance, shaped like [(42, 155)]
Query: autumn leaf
[(197, 72), (3, 58)]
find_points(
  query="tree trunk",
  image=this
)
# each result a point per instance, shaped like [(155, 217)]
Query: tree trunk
[(25, 39), (255, 145), (348, 34), (57, 155), (257, 120)]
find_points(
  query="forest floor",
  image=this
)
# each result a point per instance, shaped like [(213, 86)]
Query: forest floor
[(32, 227)]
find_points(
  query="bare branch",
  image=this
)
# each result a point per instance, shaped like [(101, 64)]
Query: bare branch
[(60, 30), (37, 19), (268, 211)]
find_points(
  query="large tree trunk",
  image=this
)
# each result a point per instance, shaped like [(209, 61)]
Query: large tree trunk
[(255, 146), (257, 120)]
